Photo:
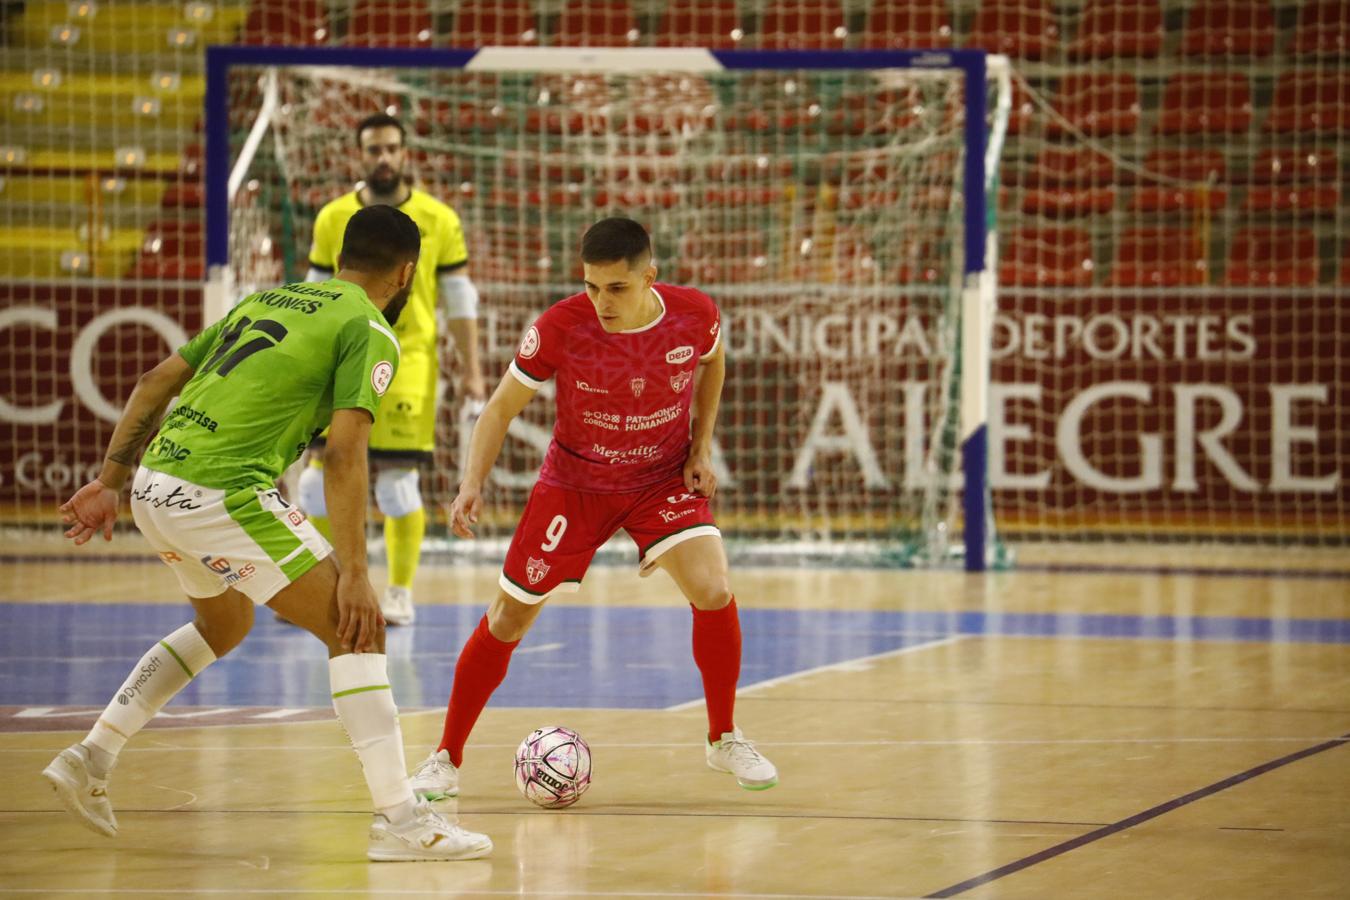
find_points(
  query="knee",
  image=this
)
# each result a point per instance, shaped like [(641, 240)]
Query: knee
[(226, 630), (397, 492), (712, 594), (509, 619), (310, 491)]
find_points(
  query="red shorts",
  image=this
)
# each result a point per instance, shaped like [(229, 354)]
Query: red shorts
[(561, 529)]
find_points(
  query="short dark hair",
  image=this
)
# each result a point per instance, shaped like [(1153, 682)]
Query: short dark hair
[(614, 239), (380, 120), (378, 239)]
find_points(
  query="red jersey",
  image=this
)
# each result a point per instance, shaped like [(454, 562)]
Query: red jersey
[(624, 398)]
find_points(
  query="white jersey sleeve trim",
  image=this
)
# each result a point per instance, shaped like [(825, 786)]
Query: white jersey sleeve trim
[(387, 333), (533, 384)]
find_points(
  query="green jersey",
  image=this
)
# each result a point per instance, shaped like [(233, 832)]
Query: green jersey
[(268, 377)]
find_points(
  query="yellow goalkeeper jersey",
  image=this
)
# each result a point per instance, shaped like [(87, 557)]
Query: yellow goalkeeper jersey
[(442, 248)]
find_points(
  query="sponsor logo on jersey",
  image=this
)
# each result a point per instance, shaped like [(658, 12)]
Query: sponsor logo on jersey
[(583, 386), (221, 566), (680, 381), (601, 419), (716, 327), (170, 557), (653, 420), (530, 345), (680, 355), (668, 515), (380, 376), (682, 498), (631, 456), (536, 569), (637, 384), (295, 517)]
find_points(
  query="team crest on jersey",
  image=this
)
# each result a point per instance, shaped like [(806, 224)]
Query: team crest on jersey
[(637, 384), (529, 346), (536, 569), (680, 355), (680, 381), (380, 376)]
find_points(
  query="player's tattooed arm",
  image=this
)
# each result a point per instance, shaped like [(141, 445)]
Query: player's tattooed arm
[(145, 407), (93, 508), (126, 453)]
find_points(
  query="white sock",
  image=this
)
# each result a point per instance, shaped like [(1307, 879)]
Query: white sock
[(163, 671), (365, 706)]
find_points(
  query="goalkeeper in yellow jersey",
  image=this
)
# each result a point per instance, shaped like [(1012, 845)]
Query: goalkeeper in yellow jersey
[(403, 436)]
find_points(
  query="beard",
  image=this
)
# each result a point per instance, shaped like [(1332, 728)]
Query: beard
[(384, 181), (394, 308)]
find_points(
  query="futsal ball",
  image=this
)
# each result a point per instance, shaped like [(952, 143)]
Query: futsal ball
[(553, 767)]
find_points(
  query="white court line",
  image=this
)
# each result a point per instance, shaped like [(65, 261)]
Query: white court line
[(844, 666), (948, 742), (541, 648)]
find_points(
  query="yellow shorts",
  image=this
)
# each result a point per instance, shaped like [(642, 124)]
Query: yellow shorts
[(406, 422), (407, 417)]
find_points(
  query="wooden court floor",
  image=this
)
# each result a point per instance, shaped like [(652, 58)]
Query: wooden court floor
[(1116, 732)]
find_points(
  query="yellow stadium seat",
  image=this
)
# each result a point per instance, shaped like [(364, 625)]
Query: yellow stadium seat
[(128, 27)]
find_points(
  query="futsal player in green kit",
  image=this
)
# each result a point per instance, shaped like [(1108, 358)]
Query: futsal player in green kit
[(253, 389)]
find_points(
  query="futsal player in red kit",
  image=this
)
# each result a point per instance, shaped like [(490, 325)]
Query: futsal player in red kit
[(638, 368)]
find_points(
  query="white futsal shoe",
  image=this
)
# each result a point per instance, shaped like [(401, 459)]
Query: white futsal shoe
[(734, 754), (397, 606), (84, 795), (429, 836), (435, 778)]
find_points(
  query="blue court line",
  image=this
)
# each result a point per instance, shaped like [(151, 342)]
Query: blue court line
[(1293, 574), (576, 656)]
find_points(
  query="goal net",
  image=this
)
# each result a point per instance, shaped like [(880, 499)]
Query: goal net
[(823, 208)]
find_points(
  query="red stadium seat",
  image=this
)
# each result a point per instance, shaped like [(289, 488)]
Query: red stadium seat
[(596, 23), (172, 250), (508, 23), (1229, 28), (1323, 29), (700, 23), (1111, 29), (1098, 105), (1294, 182), (1205, 169), (1047, 257), (1272, 257), (380, 24), (733, 256), (902, 25), (1206, 104), (1065, 183), (802, 25), (1159, 257), (1311, 103), (287, 23), (1023, 29)]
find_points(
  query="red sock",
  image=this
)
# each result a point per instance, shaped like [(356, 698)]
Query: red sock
[(717, 652), (481, 667)]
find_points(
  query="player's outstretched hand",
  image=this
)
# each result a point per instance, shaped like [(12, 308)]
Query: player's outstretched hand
[(360, 624), (92, 509), (465, 510), (698, 475)]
